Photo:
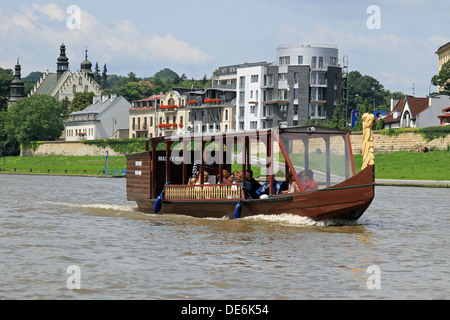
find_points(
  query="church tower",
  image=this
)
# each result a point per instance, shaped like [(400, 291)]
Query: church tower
[(62, 64), (17, 85), (86, 66)]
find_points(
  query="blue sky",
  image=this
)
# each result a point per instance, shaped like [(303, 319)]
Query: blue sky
[(197, 36)]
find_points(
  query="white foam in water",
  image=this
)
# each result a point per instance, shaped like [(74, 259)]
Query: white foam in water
[(92, 205), (291, 219)]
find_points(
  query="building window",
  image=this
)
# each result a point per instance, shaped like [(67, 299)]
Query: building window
[(300, 59), (86, 88), (241, 96), (241, 82), (253, 124), (282, 94), (268, 80), (80, 81), (226, 115), (313, 62), (252, 109), (284, 61), (321, 62), (254, 78), (333, 61), (74, 88)]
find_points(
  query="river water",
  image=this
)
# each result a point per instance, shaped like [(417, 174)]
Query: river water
[(78, 238)]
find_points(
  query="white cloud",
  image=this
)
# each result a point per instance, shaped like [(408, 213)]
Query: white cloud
[(51, 10), (122, 45)]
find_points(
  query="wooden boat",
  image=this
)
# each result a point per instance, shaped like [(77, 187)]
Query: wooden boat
[(157, 179)]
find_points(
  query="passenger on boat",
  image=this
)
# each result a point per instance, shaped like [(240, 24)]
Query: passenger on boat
[(203, 192), (192, 181), (307, 181), (286, 185), (251, 185), (294, 187), (226, 177), (264, 191), (237, 177), (206, 165)]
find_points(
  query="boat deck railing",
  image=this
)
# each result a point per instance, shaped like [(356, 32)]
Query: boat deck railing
[(203, 191)]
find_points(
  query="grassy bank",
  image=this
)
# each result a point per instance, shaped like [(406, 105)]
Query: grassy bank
[(434, 165), (60, 164)]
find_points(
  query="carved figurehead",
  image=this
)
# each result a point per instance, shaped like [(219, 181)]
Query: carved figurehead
[(367, 143)]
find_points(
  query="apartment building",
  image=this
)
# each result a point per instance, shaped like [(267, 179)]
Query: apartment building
[(304, 83)]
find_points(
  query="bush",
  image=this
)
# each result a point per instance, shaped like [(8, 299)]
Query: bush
[(122, 146)]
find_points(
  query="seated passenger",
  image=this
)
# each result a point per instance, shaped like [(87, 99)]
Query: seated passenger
[(226, 177), (203, 192), (251, 185), (205, 178), (237, 177), (308, 182), (287, 183), (263, 191), (192, 181), (206, 164)]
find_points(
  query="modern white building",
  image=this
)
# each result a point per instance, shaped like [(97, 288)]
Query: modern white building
[(249, 96), (304, 83)]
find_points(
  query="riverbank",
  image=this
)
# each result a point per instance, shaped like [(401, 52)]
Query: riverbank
[(61, 165), (431, 169)]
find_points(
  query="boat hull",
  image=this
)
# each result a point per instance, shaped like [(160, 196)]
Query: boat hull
[(347, 201)]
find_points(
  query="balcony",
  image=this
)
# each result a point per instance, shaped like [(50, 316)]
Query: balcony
[(169, 108)]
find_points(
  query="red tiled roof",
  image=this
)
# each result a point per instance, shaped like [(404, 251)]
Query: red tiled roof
[(398, 107), (152, 98), (416, 105), (446, 109)]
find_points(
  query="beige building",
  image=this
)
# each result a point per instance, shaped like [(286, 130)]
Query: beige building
[(169, 117), (443, 55)]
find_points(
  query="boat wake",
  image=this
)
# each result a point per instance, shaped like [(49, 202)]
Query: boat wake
[(290, 219), (109, 207)]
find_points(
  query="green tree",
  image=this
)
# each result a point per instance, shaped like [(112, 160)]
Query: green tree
[(37, 118), (6, 76), (65, 105), (97, 76), (338, 119), (8, 145), (104, 77), (81, 101), (443, 78)]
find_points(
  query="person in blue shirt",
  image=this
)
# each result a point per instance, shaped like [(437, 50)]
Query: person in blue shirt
[(263, 192)]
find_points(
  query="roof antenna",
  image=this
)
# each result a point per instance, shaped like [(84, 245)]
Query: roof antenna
[(413, 90)]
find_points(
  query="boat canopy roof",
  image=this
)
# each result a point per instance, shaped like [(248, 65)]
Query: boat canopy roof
[(251, 133)]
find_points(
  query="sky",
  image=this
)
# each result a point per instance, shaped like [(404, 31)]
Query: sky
[(394, 41)]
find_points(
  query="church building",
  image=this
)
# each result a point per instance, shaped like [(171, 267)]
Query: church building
[(64, 83)]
